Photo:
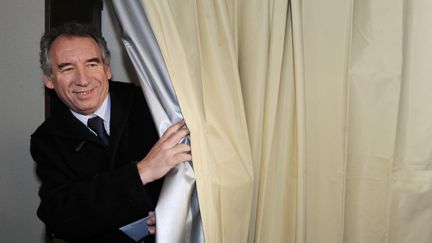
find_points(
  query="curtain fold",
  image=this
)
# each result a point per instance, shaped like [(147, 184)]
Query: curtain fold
[(374, 98), (326, 43), (215, 115), (177, 211), (218, 54)]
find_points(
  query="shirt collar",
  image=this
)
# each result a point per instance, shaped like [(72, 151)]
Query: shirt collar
[(104, 112)]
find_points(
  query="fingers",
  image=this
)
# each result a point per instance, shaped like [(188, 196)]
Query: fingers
[(173, 128), (178, 136), (180, 153), (151, 230), (181, 148), (165, 154), (151, 223), (174, 134), (151, 220), (180, 158)]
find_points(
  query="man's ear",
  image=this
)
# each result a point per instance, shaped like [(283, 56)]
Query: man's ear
[(108, 72), (48, 82)]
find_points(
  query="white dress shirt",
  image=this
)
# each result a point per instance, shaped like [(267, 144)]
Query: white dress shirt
[(104, 112)]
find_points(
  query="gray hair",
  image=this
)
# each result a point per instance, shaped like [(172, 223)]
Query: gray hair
[(69, 29)]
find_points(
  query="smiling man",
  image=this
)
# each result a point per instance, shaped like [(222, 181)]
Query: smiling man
[(98, 155), (79, 73)]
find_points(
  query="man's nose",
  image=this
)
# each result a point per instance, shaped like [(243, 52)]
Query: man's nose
[(82, 77)]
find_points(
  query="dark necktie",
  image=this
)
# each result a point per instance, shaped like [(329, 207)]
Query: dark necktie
[(97, 125)]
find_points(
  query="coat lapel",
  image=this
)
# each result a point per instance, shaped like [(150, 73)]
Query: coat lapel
[(121, 103), (62, 123)]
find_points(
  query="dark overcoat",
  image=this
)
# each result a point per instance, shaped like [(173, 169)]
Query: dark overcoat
[(89, 190)]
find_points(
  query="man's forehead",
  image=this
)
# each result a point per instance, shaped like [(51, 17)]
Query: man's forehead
[(74, 46)]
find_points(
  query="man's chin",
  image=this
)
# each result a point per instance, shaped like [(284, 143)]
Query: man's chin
[(85, 110)]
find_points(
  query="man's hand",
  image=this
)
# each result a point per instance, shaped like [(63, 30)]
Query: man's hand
[(151, 223), (165, 154)]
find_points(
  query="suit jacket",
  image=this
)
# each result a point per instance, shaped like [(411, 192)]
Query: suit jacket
[(89, 190)]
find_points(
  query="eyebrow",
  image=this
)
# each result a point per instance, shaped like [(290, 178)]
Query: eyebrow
[(94, 59)]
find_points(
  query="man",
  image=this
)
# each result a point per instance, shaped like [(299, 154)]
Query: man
[(94, 180)]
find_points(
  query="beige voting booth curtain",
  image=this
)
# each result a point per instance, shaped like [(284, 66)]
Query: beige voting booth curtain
[(310, 120), (369, 120)]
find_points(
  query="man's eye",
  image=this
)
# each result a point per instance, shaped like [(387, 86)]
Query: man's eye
[(92, 65), (66, 69)]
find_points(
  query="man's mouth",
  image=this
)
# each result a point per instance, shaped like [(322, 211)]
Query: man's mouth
[(84, 92)]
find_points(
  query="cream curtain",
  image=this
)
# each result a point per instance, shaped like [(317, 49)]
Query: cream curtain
[(389, 160), (309, 119), (369, 144), (231, 63)]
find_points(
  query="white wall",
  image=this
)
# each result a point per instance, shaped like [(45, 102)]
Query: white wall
[(22, 110)]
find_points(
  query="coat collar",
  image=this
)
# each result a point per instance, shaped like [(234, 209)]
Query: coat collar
[(63, 124)]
